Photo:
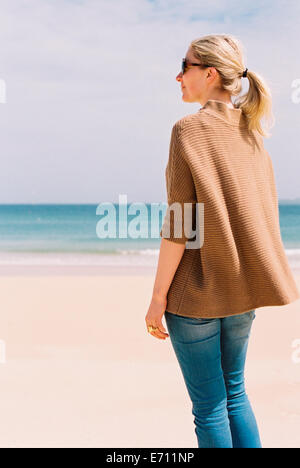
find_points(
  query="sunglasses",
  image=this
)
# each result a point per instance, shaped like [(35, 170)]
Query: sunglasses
[(185, 65)]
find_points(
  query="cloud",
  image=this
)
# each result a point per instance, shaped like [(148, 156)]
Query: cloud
[(92, 95)]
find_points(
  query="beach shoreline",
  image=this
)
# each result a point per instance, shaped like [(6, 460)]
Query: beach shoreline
[(76, 270)]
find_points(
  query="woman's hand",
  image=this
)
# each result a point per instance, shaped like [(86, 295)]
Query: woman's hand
[(170, 255), (154, 317)]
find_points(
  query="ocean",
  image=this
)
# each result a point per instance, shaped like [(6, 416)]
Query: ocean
[(66, 234)]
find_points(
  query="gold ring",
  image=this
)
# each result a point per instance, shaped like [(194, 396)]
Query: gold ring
[(150, 328)]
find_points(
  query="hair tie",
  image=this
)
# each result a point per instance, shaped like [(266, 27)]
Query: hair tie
[(245, 73)]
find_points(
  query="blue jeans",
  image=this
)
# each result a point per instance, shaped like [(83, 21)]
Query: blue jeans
[(211, 353)]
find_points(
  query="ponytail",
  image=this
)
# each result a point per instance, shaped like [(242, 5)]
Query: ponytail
[(225, 53), (257, 104)]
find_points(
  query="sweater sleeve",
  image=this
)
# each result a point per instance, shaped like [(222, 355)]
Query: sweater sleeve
[(180, 215)]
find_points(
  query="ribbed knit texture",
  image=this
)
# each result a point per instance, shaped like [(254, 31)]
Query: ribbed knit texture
[(242, 264)]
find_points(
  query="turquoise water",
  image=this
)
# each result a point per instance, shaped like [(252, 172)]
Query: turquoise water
[(72, 229), (68, 228), (289, 218)]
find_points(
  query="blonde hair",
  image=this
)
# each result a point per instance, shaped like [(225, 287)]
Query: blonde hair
[(225, 53)]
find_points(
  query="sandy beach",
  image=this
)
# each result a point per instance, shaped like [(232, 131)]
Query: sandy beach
[(78, 368)]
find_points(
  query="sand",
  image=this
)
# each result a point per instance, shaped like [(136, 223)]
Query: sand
[(80, 370)]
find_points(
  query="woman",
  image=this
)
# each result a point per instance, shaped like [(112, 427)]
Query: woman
[(209, 292)]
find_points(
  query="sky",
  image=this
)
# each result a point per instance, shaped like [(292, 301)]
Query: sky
[(91, 95)]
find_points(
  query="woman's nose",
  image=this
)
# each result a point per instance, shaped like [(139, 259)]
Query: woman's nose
[(179, 76)]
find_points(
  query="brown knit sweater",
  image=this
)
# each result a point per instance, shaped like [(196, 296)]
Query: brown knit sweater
[(241, 265)]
